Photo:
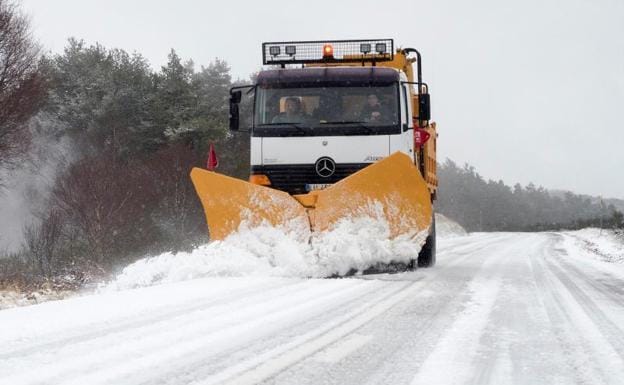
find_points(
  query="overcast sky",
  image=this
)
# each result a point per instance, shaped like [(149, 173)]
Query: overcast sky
[(526, 91)]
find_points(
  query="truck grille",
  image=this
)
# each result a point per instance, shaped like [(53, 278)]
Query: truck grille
[(293, 178)]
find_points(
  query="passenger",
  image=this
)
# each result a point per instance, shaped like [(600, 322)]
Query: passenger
[(293, 112), (372, 111)]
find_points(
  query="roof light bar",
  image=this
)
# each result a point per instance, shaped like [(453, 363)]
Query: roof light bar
[(291, 50), (274, 50), (327, 51)]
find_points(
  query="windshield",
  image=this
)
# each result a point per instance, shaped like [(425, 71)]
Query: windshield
[(331, 110)]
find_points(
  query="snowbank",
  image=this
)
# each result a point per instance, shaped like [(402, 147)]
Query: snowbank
[(10, 299), (266, 251), (605, 245), (448, 228)]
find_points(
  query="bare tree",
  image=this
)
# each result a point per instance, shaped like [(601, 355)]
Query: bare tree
[(22, 86), (178, 214), (42, 241), (106, 201)]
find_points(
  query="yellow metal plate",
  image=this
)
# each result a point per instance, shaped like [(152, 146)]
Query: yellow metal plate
[(230, 202), (391, 189)]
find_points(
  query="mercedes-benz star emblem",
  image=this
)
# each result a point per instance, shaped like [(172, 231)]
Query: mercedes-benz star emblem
[(325, 167)]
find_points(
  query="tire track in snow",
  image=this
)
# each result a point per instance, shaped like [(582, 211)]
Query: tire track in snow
[(564, 271), (210, 347), (402, 327), (185, 369), (565, 333), (274, 357), (492, 360), (612, 333), (104, 338), (127, 325), (395, 359), (460, 343), (589, 355), (142, 356), (274, 361), (89, 357), (274, 335), (613, 290), (423, 330), (461, 248)]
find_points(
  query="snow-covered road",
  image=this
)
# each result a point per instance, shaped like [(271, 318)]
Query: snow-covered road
[(499, 308)]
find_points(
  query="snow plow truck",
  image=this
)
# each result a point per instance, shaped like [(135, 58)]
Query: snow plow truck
[(341, 129)]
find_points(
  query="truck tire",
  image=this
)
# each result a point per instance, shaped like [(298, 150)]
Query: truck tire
[(427, 255)]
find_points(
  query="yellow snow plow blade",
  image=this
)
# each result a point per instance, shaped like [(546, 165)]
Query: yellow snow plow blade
[(229, 202), (391, 189)]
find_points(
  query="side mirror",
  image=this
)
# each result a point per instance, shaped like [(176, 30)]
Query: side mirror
[(235, 98), (424, 107)]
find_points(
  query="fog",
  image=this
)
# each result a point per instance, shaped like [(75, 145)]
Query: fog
[(524, 91), (27, 188)]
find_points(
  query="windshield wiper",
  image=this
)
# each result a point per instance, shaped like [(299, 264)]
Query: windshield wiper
[(290, 124), (359, 123)]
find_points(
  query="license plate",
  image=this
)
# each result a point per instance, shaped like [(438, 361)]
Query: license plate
[(316, 186)]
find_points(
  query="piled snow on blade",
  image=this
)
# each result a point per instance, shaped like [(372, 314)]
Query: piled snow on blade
[(605, 245), (448, 228), (358, 245), (268, 251)]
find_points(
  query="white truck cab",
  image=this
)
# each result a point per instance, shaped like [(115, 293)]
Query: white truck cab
[(335, 113), (335, 132)]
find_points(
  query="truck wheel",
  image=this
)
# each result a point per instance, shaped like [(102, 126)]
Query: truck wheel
[(427, 255)]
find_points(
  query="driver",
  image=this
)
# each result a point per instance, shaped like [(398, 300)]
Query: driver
[(293, 112), (372, 111)]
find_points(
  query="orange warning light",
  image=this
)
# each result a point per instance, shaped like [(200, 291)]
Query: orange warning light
[(328, 51)]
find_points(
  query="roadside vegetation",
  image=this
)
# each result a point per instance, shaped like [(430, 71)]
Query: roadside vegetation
[(135, 132), (487, 205)]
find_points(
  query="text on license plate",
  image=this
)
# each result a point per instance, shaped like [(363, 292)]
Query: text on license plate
[(316, 186)]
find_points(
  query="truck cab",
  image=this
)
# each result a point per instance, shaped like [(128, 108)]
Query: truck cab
[(330, 109)]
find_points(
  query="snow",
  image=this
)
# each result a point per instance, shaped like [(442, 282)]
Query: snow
[(355, 243), (504, 308), (447, 228), (10, 298), (266, 251), (606, 245)]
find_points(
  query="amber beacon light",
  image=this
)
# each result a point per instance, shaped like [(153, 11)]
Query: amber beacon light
[(328, 51)]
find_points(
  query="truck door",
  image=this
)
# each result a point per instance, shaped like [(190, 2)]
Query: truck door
[(404, 141)]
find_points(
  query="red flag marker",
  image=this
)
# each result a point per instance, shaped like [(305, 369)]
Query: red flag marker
[(420, 137), (213, 161)]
